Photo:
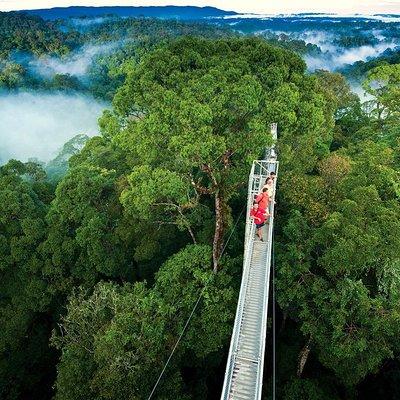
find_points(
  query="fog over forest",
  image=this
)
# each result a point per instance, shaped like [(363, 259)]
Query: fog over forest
[(36, 125), (76, 63)]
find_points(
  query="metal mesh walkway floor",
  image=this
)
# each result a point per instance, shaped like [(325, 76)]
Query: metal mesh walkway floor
[(244, 370)]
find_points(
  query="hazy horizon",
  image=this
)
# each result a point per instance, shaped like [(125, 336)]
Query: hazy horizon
[(367, 7)]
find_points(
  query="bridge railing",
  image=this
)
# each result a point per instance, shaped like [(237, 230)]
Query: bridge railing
[(274, 166), (236, 330), (260, 170)]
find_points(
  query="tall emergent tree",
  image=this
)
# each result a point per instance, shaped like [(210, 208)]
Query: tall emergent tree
[(194, 115)]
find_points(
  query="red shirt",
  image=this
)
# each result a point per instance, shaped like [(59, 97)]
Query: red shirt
[(263, 200), (259, 215)]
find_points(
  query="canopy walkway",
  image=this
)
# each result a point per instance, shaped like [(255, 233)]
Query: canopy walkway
[(245, 365)]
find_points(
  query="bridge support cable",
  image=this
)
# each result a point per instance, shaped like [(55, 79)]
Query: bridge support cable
[(245, 364), (273, 322), (193, 311)]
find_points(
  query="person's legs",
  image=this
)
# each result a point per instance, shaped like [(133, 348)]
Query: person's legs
[(259, 232), (258, 229)]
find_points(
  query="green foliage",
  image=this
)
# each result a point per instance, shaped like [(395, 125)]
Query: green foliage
[(358, 71), (338, 92), (29, 33), (24, 297), (83, 241), (149, 31), (201, 110), (57, 167), (23, 37), (356, 40), (335, 261), (383, 83), (130, 331), (11, 75), (307, 389), (65, 82), (298, 46)]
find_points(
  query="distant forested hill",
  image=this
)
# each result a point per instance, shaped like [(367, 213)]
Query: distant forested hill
[(155, 12), (73, 54)]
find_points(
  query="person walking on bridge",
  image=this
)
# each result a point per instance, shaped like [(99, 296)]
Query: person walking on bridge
[(269, 185), (259, 216), (272, 175), (263, 199)]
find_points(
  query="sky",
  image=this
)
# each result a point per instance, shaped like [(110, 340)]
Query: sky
[(243, 6)]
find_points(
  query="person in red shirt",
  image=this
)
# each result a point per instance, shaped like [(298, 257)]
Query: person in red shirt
[(259, 216), (263, 199)]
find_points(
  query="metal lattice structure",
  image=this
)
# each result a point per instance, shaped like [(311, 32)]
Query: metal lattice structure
[(245, 365)]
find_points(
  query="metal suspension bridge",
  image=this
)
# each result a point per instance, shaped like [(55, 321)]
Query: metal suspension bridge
[(245, 365)]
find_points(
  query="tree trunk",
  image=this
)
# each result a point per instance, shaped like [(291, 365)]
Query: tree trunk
[(303, 356), (219, 229), (192, 234)]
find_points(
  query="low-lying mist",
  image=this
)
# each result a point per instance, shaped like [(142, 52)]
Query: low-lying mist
[(36, 125), (338, 57), (88, 22), (339, 47), (77, 63)]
